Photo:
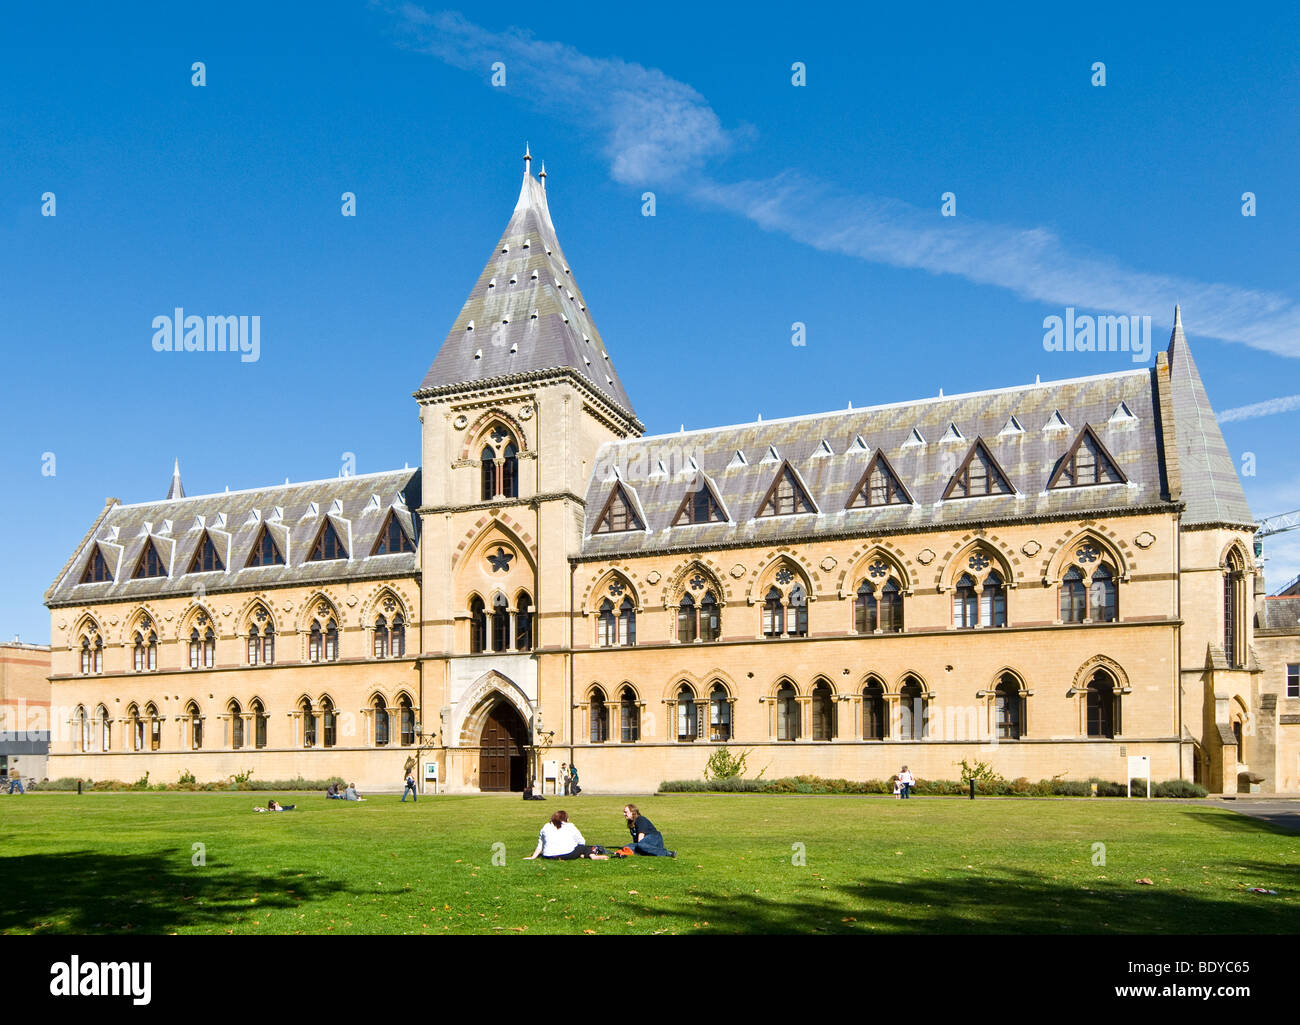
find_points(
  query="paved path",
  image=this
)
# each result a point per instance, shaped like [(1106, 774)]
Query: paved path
[(1282, 813)]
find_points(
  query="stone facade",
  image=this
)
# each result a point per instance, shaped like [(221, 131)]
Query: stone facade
[(570, 590), (24, 708)]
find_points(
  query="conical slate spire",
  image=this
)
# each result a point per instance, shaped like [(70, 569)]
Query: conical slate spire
[(177, 490), (1210, 485), (526, 314)]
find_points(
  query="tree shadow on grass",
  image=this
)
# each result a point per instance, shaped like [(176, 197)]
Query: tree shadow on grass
[(1005, 902), (89, 892)]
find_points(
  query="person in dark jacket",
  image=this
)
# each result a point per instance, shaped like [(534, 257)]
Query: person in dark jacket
[(645, 838)]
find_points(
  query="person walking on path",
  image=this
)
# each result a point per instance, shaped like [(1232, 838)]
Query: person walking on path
[(645, 838), (560, 840), (574, 789), (906, 781), (410, 789), (564, 777)]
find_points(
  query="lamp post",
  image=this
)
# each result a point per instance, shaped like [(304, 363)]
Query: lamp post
[(423, 741)]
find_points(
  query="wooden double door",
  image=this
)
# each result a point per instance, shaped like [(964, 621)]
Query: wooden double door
[(503, 754)]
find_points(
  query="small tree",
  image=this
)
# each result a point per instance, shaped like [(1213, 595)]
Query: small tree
[(722, 764)]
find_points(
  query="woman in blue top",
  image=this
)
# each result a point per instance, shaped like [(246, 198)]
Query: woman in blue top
[(645, 838)]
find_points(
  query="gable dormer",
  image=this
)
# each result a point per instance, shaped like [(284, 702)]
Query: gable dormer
[(979, 475), (619, 513), (1086, 463), (879, 485)]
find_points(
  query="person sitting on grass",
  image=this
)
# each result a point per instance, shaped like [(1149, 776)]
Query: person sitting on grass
[(351, 793), (560, 840), (645, 838), (332, 792)]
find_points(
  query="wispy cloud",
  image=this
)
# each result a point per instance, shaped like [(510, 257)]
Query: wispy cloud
[(654, 129), (1267, 408)]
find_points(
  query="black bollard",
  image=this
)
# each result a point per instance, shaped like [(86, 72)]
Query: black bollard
[(78, 786), (972, 788)]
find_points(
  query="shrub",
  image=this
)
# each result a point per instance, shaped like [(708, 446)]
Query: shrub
[(1178, 788), (186, 777), (722, 764)]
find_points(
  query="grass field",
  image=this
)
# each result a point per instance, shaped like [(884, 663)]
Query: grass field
[(114, 863)]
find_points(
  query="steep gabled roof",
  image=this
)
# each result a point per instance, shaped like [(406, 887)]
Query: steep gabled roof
[(1210, 485), (526, 314)]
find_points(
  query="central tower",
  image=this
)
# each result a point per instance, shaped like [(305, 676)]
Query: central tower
[(513, 410)]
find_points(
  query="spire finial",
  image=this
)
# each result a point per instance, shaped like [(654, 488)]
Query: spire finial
[(1178, 315), (176, 490), (542, 176), (527, 158)]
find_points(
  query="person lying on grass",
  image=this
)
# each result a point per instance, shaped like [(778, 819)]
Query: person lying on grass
[(645, 838), (274, 805), (560, 840)]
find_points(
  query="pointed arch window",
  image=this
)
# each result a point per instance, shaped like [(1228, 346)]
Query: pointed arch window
[(265, 552), (96, 570), (914, 712), (773, 613), (798, 611), (978, 475), (308, 723), (786, 496), (787, 713), (259, 724), (688, 722), (477, 626), (719, 714), (629, 717), (499, 465), (1102, 706), (206, 557), (879, 485), (236, 726), (380, 712), (875, 721), (81, 721), (397, 642), (406, 719), (135, 726), (524, 622), (323, 638), (329, 723), (993, 601), (1008, 708), (203, 647), (488, 473), (607, 625), (599, 717), (392, 537), (145, 650), (196, 726), (500, 624), (328, 545), (155, 726), (965, 608), (1234, 610), (687, 619), (150, 563), (1103, 596), (92, 654), (261, 642), (510, 472), (1073, 596), (380, 647), (105, 729), (710, 618), (823, 712)]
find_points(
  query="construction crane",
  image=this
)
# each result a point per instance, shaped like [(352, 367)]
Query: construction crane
[(1276, 525)]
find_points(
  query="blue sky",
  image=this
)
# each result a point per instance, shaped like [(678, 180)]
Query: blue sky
[(775, 204)]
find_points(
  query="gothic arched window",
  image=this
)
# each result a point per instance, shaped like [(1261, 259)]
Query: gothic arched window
[(688, 723), (1008, 708), (687, 620), (719, 713), (823, 712), (477, 626), (787, 713), (875, 723), (1073, 596)]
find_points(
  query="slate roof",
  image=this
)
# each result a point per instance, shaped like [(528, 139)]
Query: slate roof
[(358, 507), (1281, 614), (526, 314), (1118, 406), (1211, 487)]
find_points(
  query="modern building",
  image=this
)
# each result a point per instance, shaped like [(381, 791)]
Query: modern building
[(24, 709), (1051, 577)]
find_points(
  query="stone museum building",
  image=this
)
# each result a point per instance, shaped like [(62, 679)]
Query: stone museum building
[(1049, 577)]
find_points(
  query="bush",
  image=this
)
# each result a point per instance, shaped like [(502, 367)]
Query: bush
[(994, 786), (1178, 788), (1070, 788), (722, 764), (186, 778)]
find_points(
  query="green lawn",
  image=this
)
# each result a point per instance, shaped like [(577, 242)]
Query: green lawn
[(110, 863)]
